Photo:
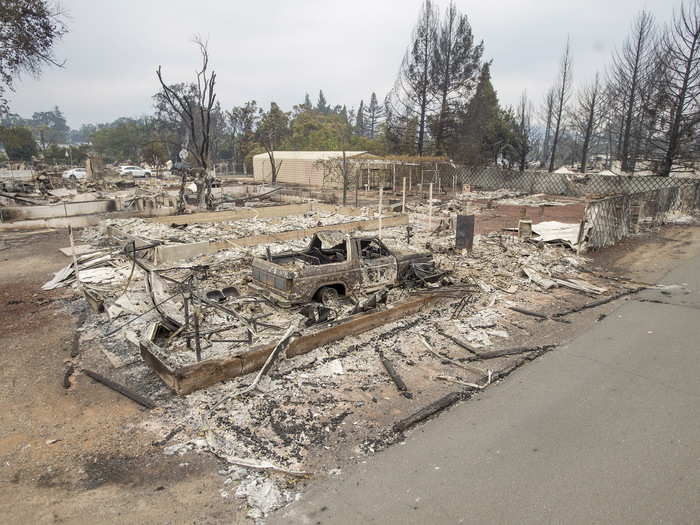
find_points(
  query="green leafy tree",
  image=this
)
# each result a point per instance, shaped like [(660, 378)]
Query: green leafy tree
[(18, 142), (122, 141), (272, 131), (83, 133), (50, 127), (29, 30), (55, 154), (243, 120)]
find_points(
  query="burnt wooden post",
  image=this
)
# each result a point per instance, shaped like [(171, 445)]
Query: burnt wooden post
[(464, 238)]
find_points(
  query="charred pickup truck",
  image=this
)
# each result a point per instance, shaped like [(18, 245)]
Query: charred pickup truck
[(336, 264)]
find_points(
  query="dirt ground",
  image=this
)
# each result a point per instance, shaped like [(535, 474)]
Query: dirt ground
[(81, 455), (649, 256)]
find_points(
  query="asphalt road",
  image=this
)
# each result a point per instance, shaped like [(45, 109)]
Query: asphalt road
[(603, 430)]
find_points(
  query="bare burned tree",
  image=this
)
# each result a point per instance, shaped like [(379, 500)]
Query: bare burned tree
[(29, 29), (562, 94), (680, 89), (194, 107), (413, 95), (588, 117), (547, 114), (525, 131), (628, 76), (338, 169)]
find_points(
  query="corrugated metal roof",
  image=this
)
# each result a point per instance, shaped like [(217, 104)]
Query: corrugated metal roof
[(309, 155)]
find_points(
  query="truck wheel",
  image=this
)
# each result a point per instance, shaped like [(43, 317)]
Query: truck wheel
[(328, 295)]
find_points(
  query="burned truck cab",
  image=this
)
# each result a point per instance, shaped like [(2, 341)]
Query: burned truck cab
[(333, 264)]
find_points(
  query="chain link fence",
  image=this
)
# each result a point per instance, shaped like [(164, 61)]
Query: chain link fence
[(611, 219), (573, 185), (618, 205)]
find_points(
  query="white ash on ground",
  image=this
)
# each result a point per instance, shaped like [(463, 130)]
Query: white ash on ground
[(235, 229)]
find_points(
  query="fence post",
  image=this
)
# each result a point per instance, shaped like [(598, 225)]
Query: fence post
[(381, 192), (430, 206), (403, 197)]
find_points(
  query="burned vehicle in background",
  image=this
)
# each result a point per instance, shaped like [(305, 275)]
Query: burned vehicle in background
[(337, 264)]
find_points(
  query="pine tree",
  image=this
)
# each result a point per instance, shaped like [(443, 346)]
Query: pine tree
[(456, 67), (479, 126), (344, 117), (307, 103), (413, 94), (375, 113), (322, 105), (360, 127)]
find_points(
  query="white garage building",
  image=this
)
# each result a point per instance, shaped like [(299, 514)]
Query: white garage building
[(300, 167)]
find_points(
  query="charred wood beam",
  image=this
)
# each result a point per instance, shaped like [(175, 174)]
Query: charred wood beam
[(427, 411), (459, 342), (536, 314), (138, 398), (395, 377), (599, 302), (508, 351)]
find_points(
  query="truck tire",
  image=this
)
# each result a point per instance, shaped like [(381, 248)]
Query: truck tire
[(327, 295)]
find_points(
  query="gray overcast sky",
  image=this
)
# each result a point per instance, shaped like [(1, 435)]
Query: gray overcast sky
[(278, 50)]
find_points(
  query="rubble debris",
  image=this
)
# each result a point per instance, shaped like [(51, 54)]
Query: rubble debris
[(469, 368), (320, 397), (170, 435), (539, 279), (558, 232), (81, 249), (138, 398), (459, 342), (279, 348), (262, 495), (580, 286), (265, 465), (185, 379)]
